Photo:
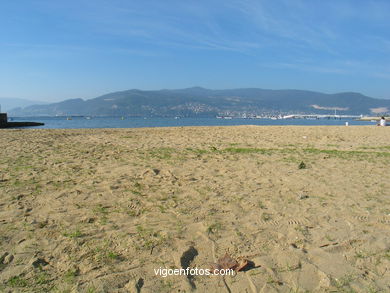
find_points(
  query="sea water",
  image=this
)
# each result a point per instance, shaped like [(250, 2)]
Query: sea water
[(130, 122)]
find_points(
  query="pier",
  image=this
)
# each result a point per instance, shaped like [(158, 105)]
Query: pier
[(315, 116), (5, 124)]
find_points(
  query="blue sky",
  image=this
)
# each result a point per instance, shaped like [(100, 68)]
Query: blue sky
[(53, 50)]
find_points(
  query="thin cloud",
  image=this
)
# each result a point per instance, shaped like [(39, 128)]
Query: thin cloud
[(348, 38), (312, 68)]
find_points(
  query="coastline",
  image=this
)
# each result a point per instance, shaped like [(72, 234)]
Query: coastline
[(102, 208)]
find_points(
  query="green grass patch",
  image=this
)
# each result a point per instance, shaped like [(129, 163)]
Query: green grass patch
[(100, 210), (177, 154), (17, 281), (71, 275), (74, 234), (149, 237), (214, 228), (248, 151), (346, 154), (42, 279), (162, 153), (105, 255), (197, 151), (266, 217)]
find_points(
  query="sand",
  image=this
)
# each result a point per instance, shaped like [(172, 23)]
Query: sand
[(99, 210)]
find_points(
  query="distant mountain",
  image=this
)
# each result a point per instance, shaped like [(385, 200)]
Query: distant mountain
[(11, 103), (197, 101)]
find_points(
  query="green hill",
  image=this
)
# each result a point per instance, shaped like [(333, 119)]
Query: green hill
[(201, 102)]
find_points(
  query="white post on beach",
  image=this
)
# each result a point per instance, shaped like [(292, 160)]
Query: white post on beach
[(346, 123)]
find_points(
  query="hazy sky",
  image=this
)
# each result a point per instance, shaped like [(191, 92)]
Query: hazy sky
[(53, 50)]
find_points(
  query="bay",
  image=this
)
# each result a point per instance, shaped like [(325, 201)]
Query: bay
[(131, 122)]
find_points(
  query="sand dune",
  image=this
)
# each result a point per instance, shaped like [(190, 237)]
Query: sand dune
[(99, 210)]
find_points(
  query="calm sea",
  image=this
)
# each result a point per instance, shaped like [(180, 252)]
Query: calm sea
[(118, 122)]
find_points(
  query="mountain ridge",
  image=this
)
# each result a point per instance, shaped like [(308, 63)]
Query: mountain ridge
[(11, 103), (203, 102)]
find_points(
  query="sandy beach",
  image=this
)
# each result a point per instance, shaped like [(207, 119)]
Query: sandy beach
[(100, 210)]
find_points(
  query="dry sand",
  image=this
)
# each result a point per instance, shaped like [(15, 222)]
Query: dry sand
[(99, 210)]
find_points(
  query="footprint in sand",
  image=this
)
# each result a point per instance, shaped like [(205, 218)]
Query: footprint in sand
[(384, 220), (6, 258), (289, 222), (342, 247), (292, 222), (380, 220), (362, 218), (273, 223)]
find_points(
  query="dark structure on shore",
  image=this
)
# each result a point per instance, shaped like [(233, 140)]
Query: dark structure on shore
[(5, 124)]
